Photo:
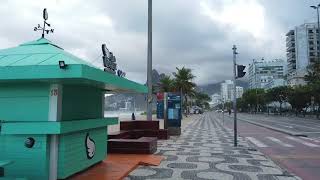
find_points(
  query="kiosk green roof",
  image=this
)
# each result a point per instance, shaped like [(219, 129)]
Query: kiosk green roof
[(39, 61)]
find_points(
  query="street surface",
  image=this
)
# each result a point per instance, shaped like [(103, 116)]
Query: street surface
[(299, 155), (308, 127), (205, 151)]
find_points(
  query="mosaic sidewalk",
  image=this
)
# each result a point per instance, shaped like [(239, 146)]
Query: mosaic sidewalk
[(205, 151)]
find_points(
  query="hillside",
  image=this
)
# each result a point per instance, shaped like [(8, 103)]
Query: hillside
[(117, 101)]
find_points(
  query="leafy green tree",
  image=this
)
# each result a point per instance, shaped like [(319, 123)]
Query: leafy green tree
[(227, 105), (279, 94), (299, 97), (183, 83), (313, 80), (242, 105), (313, 74), (254, 98), (202, 99)]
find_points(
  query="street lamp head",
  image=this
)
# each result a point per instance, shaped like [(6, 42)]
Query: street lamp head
[(314, 7)]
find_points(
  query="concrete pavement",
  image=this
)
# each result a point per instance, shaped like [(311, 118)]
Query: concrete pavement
[(205, 151)]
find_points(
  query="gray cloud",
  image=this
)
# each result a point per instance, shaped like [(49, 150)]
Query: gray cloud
[(184, 34)]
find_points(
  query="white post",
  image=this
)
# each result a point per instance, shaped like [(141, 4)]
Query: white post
[(55, 101)]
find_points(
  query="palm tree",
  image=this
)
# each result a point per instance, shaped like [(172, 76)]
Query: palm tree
[(183, 82), (166, 84)]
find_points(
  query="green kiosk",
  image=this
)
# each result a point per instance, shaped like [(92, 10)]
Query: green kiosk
[(52, 122)]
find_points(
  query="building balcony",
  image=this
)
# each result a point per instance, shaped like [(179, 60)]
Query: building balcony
[(292, 50), (291, 55), (290, 39), (291, 64), (290, 33), (291, 61), (290, 44)]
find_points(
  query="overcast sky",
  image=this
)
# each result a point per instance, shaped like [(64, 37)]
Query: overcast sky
[(197, 34)]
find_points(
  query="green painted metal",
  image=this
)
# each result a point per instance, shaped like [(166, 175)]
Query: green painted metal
[(28, 108), (81, 102), (24, 102), (38, 61), (62, 127), (27, 162), (5, 163), (72, 155), (81, 74), (39, 49)]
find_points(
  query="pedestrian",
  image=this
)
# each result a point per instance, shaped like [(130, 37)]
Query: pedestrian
[(133, 117), (229, 110)]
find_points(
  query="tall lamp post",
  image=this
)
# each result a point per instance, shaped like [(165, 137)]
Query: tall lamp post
[(317, 33), (234, 49), (255, 82), (149, 65)]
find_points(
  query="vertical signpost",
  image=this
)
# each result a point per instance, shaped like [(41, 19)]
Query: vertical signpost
[(149, 68), (235, 96), (238, 72), (223, 111)]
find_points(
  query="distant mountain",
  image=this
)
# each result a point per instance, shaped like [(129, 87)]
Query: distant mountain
[(117, 101), (156, 77), (215, 87)]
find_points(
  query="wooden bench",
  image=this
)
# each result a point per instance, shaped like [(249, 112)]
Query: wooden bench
[(142, 145), (136, 137), (135, 134), (136, 129)]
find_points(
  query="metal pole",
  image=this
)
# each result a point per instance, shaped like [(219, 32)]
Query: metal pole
[(234, 95), (44, 27), (318, 34), (256, 86), (223, 111), (149, 66)]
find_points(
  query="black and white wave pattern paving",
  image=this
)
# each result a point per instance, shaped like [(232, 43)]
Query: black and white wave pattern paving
[(205, 151)]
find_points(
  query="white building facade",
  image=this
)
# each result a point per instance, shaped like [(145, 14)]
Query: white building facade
[(239, 92), (227, 91), (302, 50), (264, 74), (215, 100)]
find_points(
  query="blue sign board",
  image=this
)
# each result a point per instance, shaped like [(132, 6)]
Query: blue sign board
[(174, 110)]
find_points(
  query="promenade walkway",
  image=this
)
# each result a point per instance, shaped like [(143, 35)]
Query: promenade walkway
[(205, 151)]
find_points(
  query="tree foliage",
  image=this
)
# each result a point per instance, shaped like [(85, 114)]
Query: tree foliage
[(167, 84), (313, 73), (252, 99), (202, 99), (183, 82), (299, 97)]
